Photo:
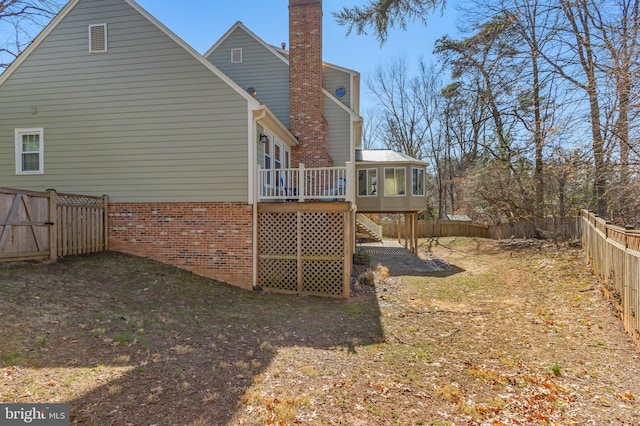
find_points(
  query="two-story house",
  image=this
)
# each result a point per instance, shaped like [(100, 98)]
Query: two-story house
[(107, 100)]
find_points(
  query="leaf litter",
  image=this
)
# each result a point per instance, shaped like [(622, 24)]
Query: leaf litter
[(518, 335)]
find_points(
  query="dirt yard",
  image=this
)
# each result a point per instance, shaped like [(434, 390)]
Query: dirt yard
[(515, 333)]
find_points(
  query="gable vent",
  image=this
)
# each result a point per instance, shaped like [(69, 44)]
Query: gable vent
[(98, 38), (236, 56)]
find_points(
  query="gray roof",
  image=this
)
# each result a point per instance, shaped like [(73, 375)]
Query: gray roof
[(384, 156)]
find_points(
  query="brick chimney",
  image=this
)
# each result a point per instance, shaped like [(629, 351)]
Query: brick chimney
[(305, 83)]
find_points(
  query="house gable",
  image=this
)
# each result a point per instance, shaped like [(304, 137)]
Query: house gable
[(264, 68), (261, 69), (342, 84), (148, 120)]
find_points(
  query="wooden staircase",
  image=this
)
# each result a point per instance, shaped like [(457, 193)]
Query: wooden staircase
[(366, 226)]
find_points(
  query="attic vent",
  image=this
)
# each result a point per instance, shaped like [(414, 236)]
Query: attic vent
[(98, 38), (236, 56)]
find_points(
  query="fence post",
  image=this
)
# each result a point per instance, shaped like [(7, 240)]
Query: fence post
[(105, 221), (53, 224)]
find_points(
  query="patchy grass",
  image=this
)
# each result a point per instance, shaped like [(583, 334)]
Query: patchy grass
[(521, 335)]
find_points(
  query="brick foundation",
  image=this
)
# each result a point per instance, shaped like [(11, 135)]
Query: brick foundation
[(209, 239)]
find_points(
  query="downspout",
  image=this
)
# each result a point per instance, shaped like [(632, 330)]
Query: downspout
[(254, 186)]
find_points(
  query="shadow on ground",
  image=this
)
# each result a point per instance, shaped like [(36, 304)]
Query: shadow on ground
[(401, 262), (145, 343)]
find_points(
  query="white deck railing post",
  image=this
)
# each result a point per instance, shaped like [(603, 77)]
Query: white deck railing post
[(351, 182), (302, 182)]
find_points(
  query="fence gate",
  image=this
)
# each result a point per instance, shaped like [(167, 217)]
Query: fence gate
[(24, 225), (306, 248), (40, 225)]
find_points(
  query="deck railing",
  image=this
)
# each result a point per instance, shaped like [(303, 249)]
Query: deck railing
[(306, 184)]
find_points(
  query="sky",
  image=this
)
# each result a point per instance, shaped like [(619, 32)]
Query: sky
[(202, 22)]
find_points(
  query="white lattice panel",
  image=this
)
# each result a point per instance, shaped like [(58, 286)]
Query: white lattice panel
[(318, 268), (322, 277), (277, 234), (278, 274), (322, 234)]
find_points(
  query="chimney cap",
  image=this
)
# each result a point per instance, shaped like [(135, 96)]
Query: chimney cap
[(283, 45), (304, 2)]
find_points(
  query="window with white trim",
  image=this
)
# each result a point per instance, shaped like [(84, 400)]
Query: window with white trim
[(367, 182), (98, 38), (29, 151), (417, 181), (394, 181), (236, 55)]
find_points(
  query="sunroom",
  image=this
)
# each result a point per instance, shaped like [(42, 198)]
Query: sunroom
[(389, 182)]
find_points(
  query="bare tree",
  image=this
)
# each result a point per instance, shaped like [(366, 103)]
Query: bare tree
[(534, 26), (534, 83), (619, 30), (575, 49), (372, 129), (20, 23), (437, 145), (403, 124)]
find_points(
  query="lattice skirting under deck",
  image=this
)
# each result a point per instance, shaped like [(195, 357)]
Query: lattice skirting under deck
[(305, 249)]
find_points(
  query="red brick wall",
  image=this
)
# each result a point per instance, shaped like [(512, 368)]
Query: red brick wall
[(210, 239), (305, 83)]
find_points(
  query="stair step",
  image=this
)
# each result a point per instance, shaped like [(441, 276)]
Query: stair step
[(363, 228)]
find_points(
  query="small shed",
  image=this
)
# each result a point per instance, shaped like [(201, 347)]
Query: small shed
[(457, 217)]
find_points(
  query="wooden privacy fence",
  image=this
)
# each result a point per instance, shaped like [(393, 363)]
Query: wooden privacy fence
[(46, 225), (566, 227), (438, 228), (614, 254)]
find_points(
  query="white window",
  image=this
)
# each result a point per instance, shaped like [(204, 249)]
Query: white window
[(29, 151), (394, 181), (98, 38), (417, 178), (236, 56), (368, 182)]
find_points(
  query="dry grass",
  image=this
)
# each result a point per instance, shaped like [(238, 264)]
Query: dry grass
[(514, 336)]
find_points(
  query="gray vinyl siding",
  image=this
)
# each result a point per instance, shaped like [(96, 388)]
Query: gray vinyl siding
[(333, 78), (267, 73), (339, 126), (145, 122)]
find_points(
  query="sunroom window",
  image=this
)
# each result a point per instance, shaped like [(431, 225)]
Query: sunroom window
[(367, 182), (394, 181), (417, 177)]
